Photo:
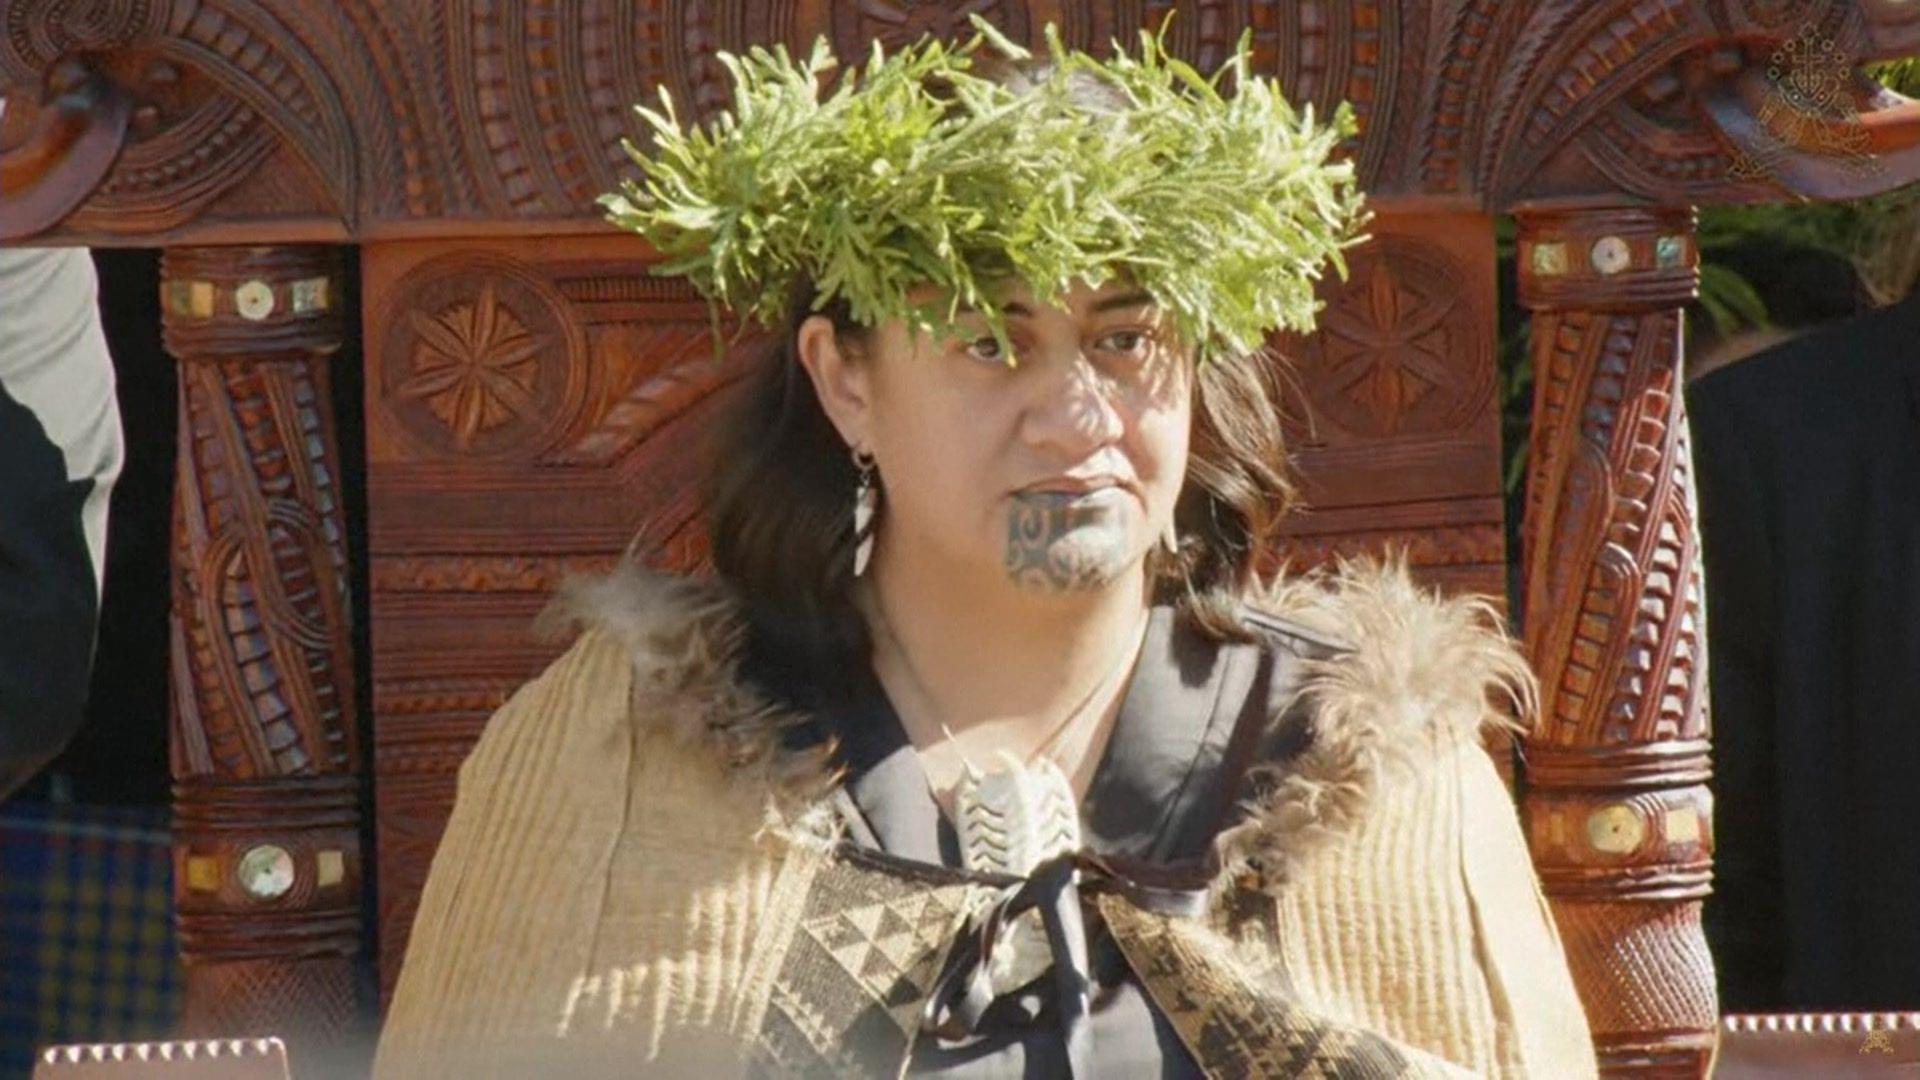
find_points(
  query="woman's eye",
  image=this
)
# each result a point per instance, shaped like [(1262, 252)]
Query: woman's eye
[(1132, 342), (986, 350)]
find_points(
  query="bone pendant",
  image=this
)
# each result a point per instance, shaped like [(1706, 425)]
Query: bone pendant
[(1011, 820), (1015, 817)]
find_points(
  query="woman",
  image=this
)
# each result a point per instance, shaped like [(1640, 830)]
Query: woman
[(988, 751)]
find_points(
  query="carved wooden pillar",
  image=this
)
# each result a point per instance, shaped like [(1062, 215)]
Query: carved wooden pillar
[(265, 758), (1617, 807)]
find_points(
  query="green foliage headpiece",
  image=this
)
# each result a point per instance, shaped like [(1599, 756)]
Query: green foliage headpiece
[(916, 170)]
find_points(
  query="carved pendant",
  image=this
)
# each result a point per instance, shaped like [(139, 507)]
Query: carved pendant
[(1016, 817), (1011, 820), (865, 498)]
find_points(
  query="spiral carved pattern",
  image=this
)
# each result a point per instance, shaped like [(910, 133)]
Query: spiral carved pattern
[(39, 34), (377, 119)]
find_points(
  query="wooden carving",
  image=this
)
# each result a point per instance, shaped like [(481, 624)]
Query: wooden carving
[(265, 755), (532, 412), (536, 400), (72, 143), (1393, 419), (363, 119), (1617, 808)]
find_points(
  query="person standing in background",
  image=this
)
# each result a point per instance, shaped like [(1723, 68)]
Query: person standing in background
[(1807, 455), (61, 450)]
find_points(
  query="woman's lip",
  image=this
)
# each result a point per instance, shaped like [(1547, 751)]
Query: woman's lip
[(1103, 495), (1072, 487)]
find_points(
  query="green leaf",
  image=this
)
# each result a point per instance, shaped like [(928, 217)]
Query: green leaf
[(1225, 208), (1001, 43)]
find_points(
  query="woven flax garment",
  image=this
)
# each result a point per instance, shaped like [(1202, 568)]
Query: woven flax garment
[(637, 871)]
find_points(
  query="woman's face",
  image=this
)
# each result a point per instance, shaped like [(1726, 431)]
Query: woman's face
[(1060, 472)]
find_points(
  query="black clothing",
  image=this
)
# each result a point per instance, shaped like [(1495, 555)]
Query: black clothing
[(1168, 779), (1808, 464)]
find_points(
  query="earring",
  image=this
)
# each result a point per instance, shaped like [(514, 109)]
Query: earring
[(866, 495), (1170, 539)]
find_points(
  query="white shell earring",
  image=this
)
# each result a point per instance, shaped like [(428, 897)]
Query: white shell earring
[(866, 495), (1170, 539)]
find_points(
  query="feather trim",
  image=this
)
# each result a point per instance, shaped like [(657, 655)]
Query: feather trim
[(1417, 674), (685, 637), (1420, 674)]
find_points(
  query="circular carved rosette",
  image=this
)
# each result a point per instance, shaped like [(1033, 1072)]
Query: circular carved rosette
[(1399, 352), (480, 359)]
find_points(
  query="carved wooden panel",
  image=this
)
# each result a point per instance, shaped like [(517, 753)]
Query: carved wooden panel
[(532, 408), (371, 119), (532, 401), (1394, 418)]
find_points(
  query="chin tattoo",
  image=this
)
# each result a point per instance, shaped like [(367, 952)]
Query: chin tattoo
[(1059, 546)]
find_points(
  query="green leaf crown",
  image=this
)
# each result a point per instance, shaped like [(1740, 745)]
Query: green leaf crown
[(1224, 207)]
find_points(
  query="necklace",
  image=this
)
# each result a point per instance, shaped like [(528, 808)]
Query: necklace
[(1022, 811), (1017, 815)]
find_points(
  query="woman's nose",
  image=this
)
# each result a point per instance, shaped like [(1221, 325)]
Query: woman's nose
[(1076, 410)]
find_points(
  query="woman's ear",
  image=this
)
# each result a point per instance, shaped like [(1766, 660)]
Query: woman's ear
[(842, 382)]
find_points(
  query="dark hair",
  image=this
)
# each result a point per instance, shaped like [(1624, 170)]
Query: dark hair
[(780, 495)]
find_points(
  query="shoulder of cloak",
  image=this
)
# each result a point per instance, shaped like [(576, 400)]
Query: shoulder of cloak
[(1393, 675), (682, 639)]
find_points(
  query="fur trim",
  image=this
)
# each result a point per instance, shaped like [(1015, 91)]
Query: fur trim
[(685, 637), (1421, 672), (1417, 672)]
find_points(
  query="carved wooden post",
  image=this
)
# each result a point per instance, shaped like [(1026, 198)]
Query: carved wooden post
[(1617, 807), (265, 757)]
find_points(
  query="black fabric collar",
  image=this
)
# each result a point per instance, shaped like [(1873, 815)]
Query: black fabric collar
[(885, 780), (1154, 795)]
